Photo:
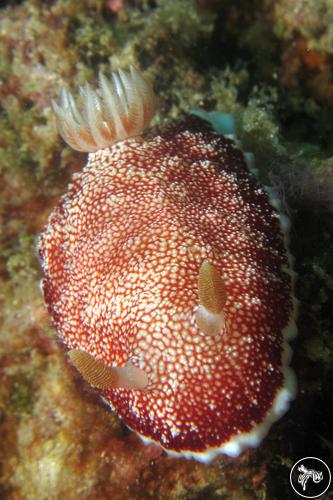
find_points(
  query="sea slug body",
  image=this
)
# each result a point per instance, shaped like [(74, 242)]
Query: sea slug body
[(167, 275)]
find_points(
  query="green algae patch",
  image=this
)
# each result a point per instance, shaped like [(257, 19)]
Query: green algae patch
[(21, 398)]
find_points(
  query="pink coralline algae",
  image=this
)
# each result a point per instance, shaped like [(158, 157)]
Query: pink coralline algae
[(167, 277)]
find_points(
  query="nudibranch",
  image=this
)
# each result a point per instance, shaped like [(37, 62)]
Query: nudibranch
[(167, 275)]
